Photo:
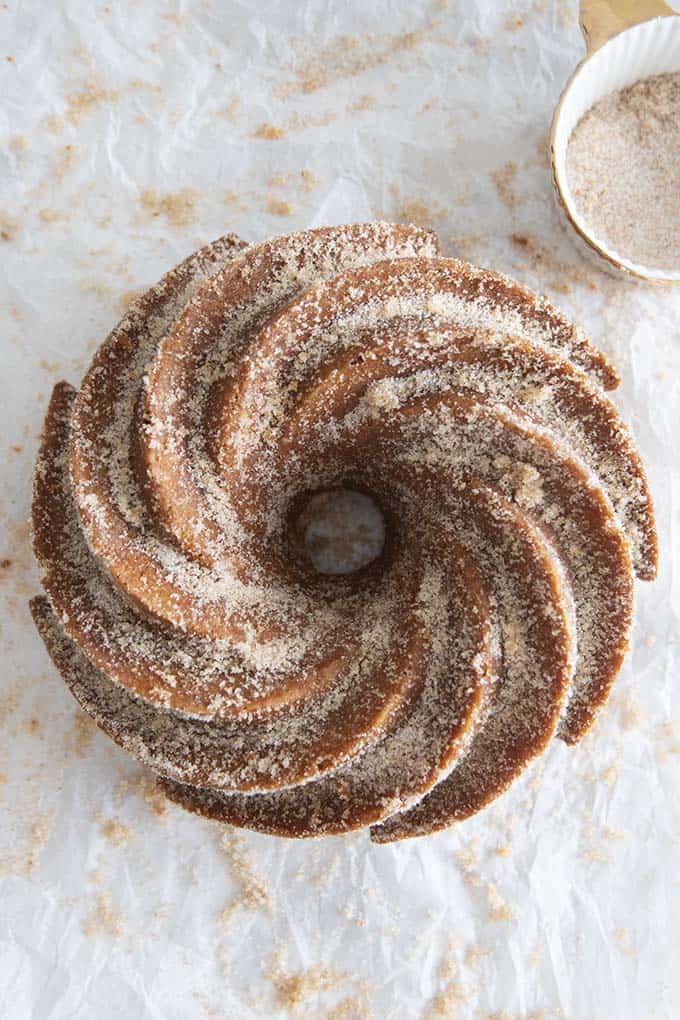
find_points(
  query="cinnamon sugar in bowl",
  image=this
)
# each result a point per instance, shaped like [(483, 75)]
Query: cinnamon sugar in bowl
[(615, 140)]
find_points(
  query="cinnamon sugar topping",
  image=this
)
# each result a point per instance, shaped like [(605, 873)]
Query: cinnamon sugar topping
[(189, 621)]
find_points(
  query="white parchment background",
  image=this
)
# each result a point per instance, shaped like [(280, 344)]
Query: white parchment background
[(130, 134)]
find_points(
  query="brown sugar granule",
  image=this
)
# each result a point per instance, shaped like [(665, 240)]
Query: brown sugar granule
[(177, 207), (623, 168)]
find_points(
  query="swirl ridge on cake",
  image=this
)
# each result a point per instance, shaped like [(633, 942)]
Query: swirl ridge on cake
[(182, 608)]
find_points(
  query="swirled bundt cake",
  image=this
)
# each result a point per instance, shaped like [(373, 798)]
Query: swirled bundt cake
[(253, 385)]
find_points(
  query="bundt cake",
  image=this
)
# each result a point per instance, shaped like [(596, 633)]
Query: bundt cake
[(257, 383)]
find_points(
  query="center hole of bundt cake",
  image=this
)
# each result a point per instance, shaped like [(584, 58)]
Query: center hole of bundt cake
[(341, 530)]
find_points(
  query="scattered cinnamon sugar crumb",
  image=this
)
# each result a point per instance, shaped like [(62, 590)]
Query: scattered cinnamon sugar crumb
[(143, 785), (40, 833), (558, 275), (415, 210), (303, 180), (298, 122), (103, 919), (53, 122), (362, 102), (597, 855), (351, 1008), (9, 702), (345, 57), (18, 143), (623, 942), (115, 832), (631, 715), (609, 774), (50, 215), (85, 99), (177, 207), (481, 45), (667, 739), (278, 206), (514, 22), (352, 915), (293, 989), (253, 891), (499, 910), (235, 200), (445, 1003), (504, 179), (84, 730), (8, 226), (67, 159), (473, 954), (270, 131), (230, 109)]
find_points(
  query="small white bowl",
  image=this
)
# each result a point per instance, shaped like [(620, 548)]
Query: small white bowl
[(626, 41)]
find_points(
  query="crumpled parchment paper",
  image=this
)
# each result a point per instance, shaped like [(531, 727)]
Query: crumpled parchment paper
[(131, 133)]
